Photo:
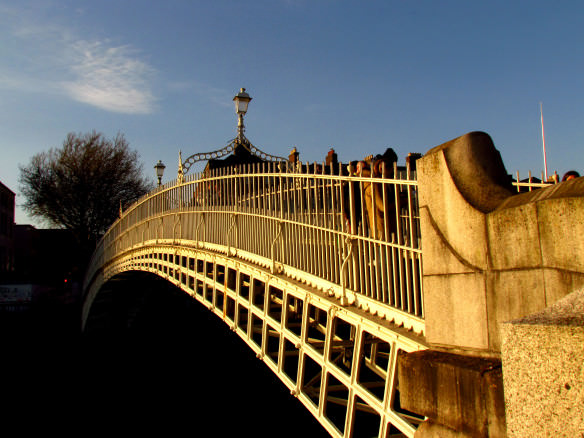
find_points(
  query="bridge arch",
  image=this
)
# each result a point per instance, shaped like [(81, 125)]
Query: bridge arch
[(340, 365)]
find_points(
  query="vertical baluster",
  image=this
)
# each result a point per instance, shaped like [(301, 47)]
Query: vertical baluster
[(382, 249), (252, 200), (224, 195), (322, 233), (306, 198), (224, 225), (223, 236), (238, 192), (306, 218), (257, 203), (332, 232), (373, 256), (327, 271), (244, 186), (241, 205), (213, 205), (413, 239), (269, 225), (325, 196), (291, 216), (316, 240), (271, 210), (269, 190), (395, 292), (264, 224), (262, 200), (294, 217), (254, 189), (311, 262), (280, 196), (241, 195), (313, 253), (266, 227), (288, 248), (209, 225), (338, 223), (334, 184), (301, 219), (362, 233), (231, 184), (276, 206), (353, 211), (207, 199), (253, 205), (400, 242), (368, 232), (407, 254)]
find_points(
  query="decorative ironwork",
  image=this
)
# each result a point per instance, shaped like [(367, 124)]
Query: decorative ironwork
[(227, 150)]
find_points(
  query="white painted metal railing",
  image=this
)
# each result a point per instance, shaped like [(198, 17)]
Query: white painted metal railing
[(532, 183), (351, 229)]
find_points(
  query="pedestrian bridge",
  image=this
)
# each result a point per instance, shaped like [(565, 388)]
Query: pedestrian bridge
[(317, 268)]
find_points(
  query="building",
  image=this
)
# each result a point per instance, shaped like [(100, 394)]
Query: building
[(45, 256), (7, 197), (36, 265)]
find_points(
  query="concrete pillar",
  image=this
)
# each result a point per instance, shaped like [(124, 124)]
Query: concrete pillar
[(489, 256)]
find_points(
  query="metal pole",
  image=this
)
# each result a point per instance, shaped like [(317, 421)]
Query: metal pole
[(240, 127), (543, 141)]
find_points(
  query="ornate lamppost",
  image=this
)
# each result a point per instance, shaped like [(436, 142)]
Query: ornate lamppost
[(241, 100), (159, 167)]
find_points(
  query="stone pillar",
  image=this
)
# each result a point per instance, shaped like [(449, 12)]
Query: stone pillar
[(459, 183), (489, 256), (461, 395)]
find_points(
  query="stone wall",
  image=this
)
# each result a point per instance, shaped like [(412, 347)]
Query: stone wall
[(543, 360)]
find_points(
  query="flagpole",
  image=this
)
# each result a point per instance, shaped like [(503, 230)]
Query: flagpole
[(543, 141)]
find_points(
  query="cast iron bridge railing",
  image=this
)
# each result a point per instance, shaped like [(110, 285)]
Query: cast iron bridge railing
[(356, 237), (318, 269)]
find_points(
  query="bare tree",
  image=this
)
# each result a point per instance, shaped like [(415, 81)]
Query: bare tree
[(81, 186)]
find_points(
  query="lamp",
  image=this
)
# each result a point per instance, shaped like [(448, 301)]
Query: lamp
[(241, 100), (159, 167)]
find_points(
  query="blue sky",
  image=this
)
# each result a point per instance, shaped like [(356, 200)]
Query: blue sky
[(359, 76)]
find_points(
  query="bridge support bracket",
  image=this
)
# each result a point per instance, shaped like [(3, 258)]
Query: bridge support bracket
[(350, 242), (228, 236), (276, 267), (197, 230)]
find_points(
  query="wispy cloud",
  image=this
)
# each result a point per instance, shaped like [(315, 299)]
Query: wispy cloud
[(111, 78), (41, 57)]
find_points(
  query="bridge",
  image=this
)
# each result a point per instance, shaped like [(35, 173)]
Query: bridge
[(320, 270)]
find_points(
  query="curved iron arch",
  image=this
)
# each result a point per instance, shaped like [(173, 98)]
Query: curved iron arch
[(229, 148)]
